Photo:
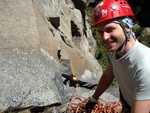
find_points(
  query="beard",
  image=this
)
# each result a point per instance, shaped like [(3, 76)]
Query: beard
[(115, 44)]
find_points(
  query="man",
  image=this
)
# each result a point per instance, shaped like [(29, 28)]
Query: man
[(130, 60)]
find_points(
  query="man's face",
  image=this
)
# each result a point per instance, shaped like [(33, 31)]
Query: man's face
[(113, 36)]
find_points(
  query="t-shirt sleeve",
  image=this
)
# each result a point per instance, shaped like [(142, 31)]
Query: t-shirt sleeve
[(142, 84)]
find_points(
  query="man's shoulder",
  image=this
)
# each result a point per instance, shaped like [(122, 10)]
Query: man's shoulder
[(141, 52), (143, 47)]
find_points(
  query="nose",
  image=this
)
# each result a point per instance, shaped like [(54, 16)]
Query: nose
[(105, 35)]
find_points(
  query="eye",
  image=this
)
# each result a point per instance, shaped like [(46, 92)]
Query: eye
[(109, 29)]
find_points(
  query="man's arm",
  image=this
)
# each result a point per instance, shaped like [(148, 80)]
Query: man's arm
[(141, 106), (104, 82)]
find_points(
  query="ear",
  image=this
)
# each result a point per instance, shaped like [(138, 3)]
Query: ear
[(128, 32), (127, 29)]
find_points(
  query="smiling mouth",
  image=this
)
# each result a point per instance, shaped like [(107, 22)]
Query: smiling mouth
[(110, 42), (109, 45)]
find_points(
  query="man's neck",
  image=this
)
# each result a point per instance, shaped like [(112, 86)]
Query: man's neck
[(128, 46)]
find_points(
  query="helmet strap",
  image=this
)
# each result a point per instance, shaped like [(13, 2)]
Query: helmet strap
[(122, 49)]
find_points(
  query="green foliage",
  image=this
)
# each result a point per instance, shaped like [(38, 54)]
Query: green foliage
[(137, 29), (142, 34)]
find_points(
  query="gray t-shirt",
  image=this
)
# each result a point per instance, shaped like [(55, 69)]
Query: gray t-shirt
[(133, 73)]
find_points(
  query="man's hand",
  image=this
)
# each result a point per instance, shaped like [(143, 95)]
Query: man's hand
[(90, 104)]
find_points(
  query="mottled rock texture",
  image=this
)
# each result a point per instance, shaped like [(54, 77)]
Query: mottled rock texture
[(37, 37)]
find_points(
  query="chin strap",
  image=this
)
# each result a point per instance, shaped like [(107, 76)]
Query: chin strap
[(128, 34)]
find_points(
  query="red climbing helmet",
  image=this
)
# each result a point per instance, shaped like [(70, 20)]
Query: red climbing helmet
[(111, 9)]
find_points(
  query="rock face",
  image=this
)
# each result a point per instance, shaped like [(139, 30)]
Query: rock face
[(27, 79), (36, 38)]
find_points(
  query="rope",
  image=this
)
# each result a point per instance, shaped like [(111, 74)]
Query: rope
[(77, 105)]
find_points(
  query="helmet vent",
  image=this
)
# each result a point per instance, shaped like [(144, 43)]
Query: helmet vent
[(123, 2)]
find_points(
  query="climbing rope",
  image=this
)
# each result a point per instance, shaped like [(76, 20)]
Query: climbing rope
[(77, 105)]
